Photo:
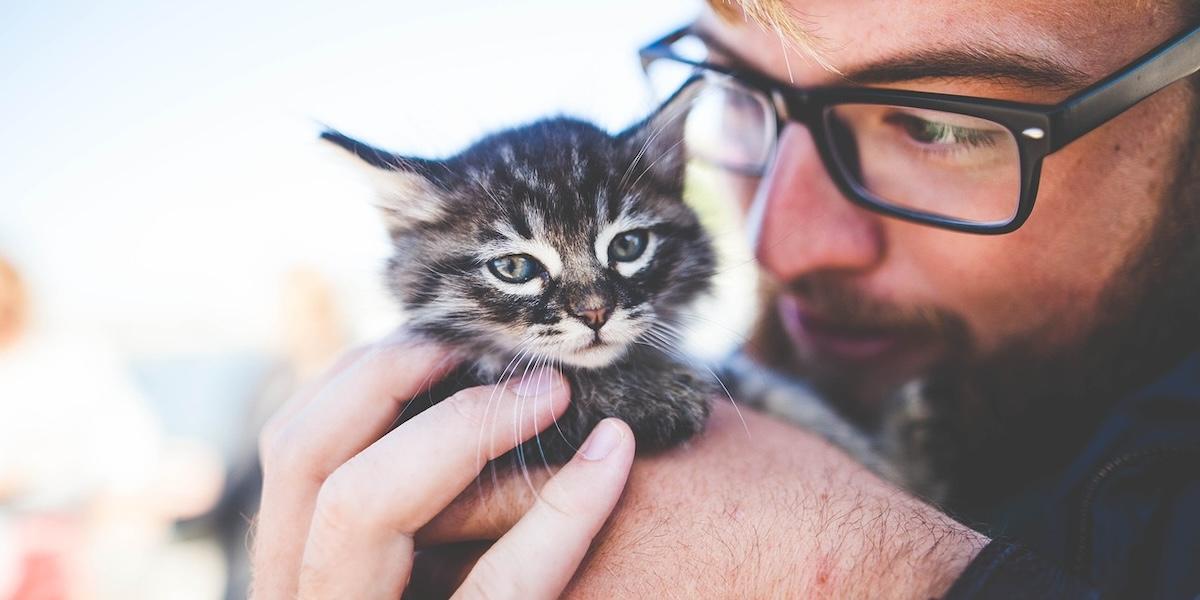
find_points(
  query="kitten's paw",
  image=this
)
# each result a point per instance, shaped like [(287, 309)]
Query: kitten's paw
[(672, 414), (664, 405)]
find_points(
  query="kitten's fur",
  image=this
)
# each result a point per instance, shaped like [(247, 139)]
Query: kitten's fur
[(559, 191)]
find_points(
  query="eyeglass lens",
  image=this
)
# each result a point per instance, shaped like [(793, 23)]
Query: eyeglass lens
[(929, 161), (933, 162)]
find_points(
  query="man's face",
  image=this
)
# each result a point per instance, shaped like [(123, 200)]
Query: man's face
[(866, 302)]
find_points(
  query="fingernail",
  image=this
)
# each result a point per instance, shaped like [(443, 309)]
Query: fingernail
[(601, 442), (538, 382)]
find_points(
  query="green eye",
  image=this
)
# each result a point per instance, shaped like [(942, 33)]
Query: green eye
[(938, 133), (629, 246), (515, 268)]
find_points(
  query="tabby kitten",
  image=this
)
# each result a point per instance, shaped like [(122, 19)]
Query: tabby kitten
[(556, 243)]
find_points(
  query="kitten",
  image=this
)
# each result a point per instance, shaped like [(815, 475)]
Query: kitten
[(559, 244), (556, 244)]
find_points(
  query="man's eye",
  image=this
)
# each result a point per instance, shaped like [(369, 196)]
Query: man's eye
[(629, 246), (515, 268), (938, 133)]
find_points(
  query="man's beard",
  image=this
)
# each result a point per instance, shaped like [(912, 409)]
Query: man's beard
[(1018, 413)]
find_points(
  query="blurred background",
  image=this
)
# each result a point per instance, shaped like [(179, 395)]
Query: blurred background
[(177, 251)]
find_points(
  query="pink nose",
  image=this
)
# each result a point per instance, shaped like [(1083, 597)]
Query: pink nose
[(593, 317)]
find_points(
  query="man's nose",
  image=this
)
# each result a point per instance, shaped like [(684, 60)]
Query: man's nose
[(807, 224)]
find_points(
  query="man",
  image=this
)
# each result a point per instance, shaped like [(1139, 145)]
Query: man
[(1055, 343)]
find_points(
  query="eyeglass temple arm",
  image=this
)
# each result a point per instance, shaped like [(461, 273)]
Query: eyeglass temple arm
[(661, 48), (1173, 60)]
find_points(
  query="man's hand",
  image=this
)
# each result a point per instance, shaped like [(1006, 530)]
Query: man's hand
[(343, 496), (772, 513)]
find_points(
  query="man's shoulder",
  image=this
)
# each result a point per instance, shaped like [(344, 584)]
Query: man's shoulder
[(1125, 515), (1155, 422), (1134, 494)]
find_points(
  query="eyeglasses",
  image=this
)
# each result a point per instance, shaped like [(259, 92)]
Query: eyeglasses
[(958, 162)]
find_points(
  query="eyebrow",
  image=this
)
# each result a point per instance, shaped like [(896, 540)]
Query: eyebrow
[(986, 63), (980, 63)]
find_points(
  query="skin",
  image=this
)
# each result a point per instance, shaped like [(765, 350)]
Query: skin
[(760, 510), (338, 518), (345, 506)]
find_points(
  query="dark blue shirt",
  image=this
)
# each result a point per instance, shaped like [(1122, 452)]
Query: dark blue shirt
[(1122, 520)]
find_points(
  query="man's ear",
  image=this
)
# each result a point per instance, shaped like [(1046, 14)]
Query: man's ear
[(654, 147), (406, 193)]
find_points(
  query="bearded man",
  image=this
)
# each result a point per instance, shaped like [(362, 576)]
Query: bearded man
[(999, 200)]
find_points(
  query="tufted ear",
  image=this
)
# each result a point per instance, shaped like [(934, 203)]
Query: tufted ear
[(654, 147), (406, 193)]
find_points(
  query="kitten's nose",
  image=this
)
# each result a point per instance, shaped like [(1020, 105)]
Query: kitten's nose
[(593, 316)]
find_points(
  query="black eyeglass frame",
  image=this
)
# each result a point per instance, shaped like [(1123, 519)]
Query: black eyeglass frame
[(1039, 129)]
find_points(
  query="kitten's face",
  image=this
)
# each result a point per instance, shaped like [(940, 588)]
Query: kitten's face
[(554, 240)]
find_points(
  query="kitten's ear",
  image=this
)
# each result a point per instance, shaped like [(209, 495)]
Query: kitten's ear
[(655, 146), (407, 195)]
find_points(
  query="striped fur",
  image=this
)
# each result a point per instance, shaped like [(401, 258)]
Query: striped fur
[(557, 190)]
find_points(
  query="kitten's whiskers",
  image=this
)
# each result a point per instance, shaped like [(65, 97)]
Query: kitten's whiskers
[(671, 338), (520, 351)]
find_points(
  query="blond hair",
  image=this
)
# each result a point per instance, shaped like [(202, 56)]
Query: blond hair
[(794, 31)]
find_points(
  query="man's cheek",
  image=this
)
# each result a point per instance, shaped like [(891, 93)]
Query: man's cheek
[(986, 281), (1014, 301)]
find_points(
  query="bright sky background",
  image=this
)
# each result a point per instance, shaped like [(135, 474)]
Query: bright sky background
[(159, 172)]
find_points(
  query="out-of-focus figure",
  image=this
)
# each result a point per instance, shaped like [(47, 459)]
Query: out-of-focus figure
[(312, 333), (89, 485), (13, 304)]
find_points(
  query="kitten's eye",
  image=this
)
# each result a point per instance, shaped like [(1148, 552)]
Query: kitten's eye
[(515, 268), (629, 245)]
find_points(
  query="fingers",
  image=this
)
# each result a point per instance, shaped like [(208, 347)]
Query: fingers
[(305, 393), (360, 539), (487, 512), (537, 558), (355, 407), (322, 429)]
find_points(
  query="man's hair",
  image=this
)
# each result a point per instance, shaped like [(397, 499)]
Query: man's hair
[(793, 28), (773, 14)]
